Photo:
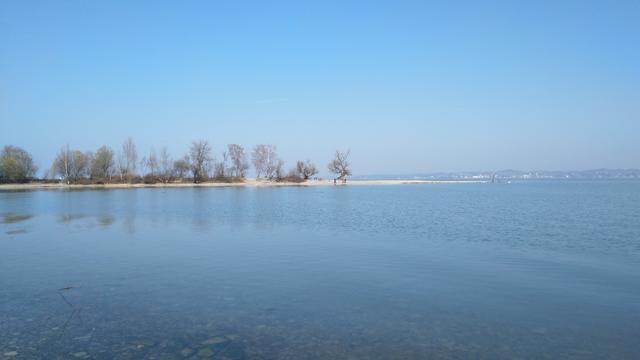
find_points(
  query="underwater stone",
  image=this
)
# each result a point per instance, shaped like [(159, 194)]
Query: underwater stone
[(186, 352), (206, 352), (214, 341)]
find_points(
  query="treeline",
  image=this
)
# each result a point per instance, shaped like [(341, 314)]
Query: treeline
[(105, 165)]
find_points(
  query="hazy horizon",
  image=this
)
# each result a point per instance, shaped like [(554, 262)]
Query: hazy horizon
[(409, 87)]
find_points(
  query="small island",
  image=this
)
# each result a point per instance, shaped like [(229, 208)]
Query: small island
[(106, 169)]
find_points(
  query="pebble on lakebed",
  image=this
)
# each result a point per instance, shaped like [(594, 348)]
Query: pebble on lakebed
[(214, 341), (186, 352), (206, 352)]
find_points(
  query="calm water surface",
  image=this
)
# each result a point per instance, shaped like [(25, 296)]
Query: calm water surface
[(482, 271)]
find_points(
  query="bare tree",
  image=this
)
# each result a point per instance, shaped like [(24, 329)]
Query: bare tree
[(300, 173), (200, 158), (293, 176), (239, 164), (340, 165), (129, 158), (266, 161), (80, 164), (306, 169), (142, 168), (102, 165), (220, 171), (62, 164), (152, 163), (121, 166), (166, 165), (181, 167), (258, 157), (72, 165), (276, 170)]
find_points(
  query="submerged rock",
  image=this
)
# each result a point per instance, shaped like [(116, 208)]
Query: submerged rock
[(206, 353), (215, 341), (186, 352), (142, 343)]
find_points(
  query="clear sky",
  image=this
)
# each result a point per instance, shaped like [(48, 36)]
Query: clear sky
[(408, 86)]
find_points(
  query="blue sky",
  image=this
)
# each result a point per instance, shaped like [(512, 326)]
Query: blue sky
[(408, 86)]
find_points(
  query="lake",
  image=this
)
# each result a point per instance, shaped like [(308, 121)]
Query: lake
[(529, 270)]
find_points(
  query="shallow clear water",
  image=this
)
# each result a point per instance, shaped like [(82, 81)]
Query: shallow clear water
[(484, 271)]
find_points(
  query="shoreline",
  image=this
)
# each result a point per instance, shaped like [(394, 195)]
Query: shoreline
[(247, 183)]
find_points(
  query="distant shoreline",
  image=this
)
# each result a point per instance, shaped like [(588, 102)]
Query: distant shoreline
[(246, 183)]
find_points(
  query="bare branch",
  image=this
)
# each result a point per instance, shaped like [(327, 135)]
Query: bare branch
[(266, 162), (200, 158), (340, 165)]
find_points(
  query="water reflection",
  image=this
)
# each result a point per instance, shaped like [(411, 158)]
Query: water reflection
[(16, 231), (267, 208), (12, 218), (202, 216), (106, 221), (68, 218), (130, 199)]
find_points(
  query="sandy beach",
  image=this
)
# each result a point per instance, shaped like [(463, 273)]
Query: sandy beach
[(246, 183)]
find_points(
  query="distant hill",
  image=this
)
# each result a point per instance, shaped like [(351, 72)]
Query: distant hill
[(517, 175)]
